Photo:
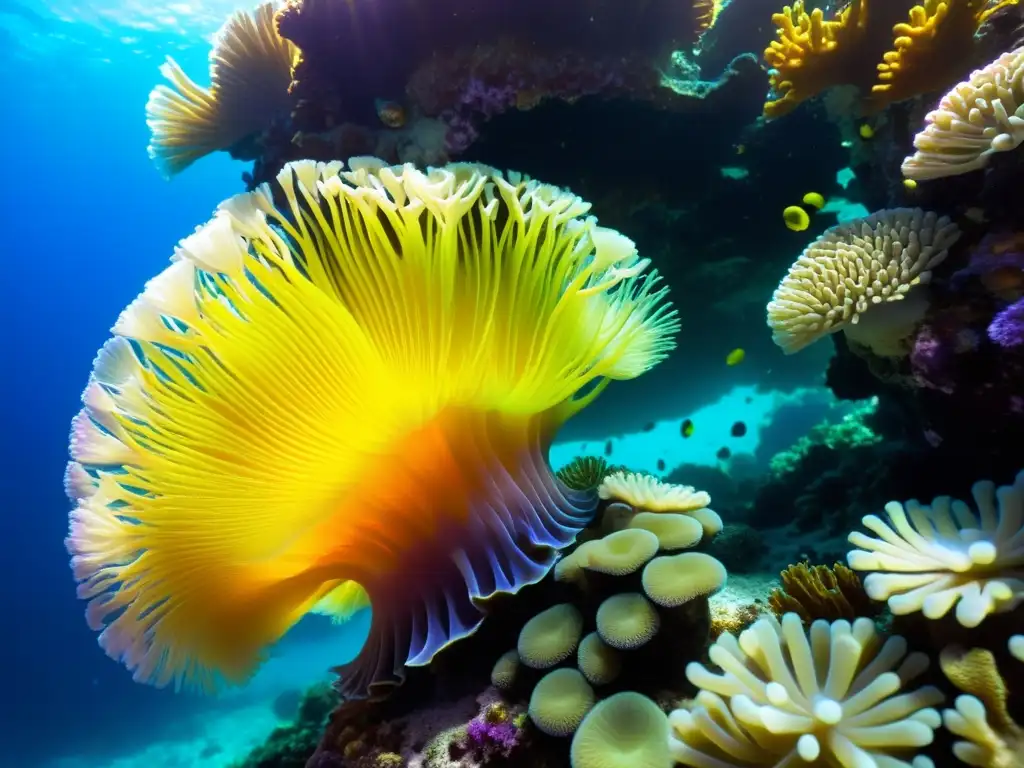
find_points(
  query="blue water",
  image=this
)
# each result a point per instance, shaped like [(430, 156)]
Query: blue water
[(86, 221)]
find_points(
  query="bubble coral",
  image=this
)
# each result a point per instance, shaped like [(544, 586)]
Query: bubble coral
[(334, 383), (859, 277), (929, 559), (824, 696), (978, 118), (250, 69)]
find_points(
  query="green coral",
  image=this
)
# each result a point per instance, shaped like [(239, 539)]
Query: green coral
[(853, 431), (290, 746), (584, 473)]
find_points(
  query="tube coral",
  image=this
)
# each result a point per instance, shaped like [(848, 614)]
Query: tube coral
[(347, 377), (250, 69)]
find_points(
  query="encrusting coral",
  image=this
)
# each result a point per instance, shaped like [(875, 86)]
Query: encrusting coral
[(250, 69), (978, 118), (786, 695), (820, 592), (861, 278), (932, 558), (330, 397)]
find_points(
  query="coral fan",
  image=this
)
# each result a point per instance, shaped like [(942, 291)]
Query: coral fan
[(785, 696), (858, 277), (929, 559), (975, 120), (249, 74), (328, 387)]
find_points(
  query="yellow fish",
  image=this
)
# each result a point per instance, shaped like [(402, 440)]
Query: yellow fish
[(735, 357)]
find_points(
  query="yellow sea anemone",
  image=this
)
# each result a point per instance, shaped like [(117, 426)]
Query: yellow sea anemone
[(250, 70), (347, 377)]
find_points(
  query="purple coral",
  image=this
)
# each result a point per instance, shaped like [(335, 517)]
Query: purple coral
[(1007, 328), (485, 736)]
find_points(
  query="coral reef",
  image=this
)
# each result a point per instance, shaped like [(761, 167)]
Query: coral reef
[(290, 746)]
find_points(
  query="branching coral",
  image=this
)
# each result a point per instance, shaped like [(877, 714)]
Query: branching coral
[(250, 69), (991, 738), (931, 49), (975, 120), (825, 696), (333, 384), (811, 53), (857, 277), (929, 559), (820, 592)]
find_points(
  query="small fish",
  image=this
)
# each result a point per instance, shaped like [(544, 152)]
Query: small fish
[(735, 357), (741, 148), (739, 429), (608, 448), (661, 465), (686, 428), (748, 399), (910, 184), (648, 426), (391, 113), (796, 218), (815, 200), (866, 132), (723, 453)]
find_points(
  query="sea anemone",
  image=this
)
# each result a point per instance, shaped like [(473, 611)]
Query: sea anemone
[(859, 278), (347, 377), (929, 559), (978, 118), (786, 696)]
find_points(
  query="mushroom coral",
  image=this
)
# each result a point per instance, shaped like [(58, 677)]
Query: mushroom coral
[(348, 377), (929, 559), (641, 492), (827, 696), (250, 69), (860, 277), (978, 118)]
